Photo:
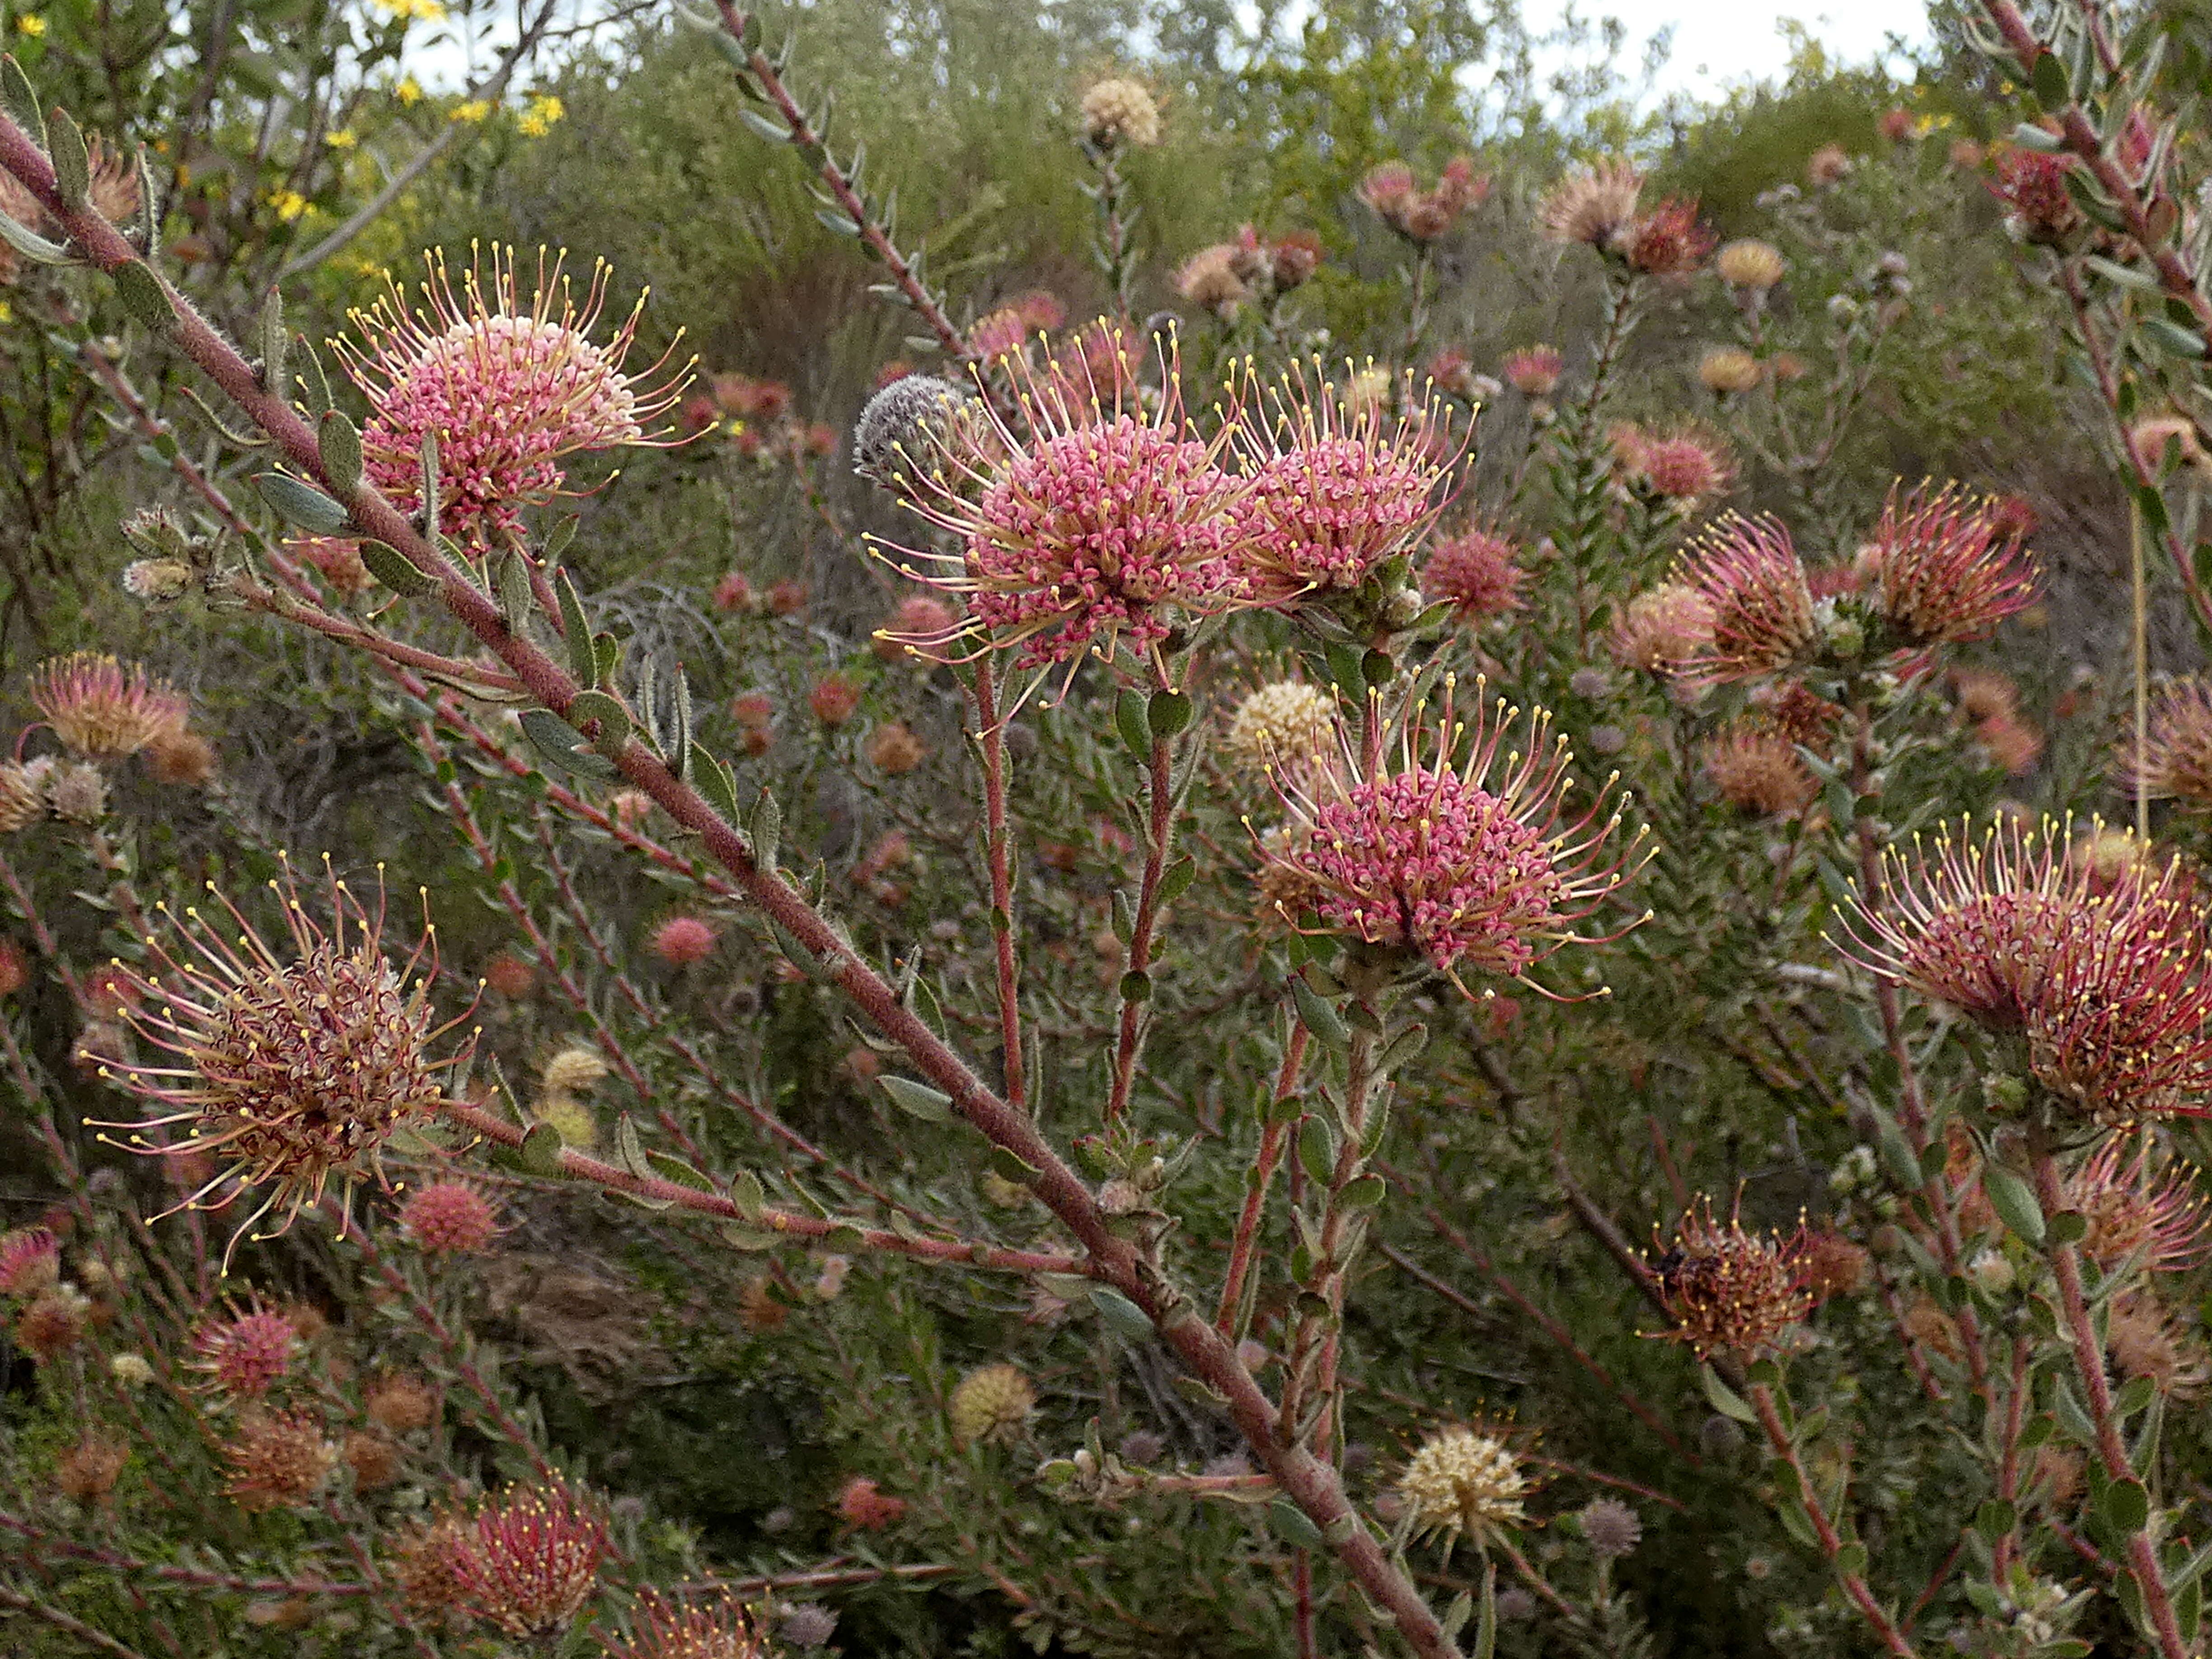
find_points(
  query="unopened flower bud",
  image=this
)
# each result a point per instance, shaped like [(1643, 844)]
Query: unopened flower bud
[(157, 581), (1991, 1272), (1403, 607)]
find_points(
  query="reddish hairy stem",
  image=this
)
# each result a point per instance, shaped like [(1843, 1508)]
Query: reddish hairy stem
[(1159, 835), (1312, 1484), (1832, 1544), (998, 852), (2111, 1451), (1273, 1137)]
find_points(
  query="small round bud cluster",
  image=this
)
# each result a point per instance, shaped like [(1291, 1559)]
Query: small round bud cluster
[(893, 749), (1120, 111), (834, 700), (131, 1369), (373, 1461), (683, 941), (88, 1471), (1611, 1528), (451, 1217), (53, 1322), (1464, 1480), (992, 1402), (1662, 629), (1596, 208), (1285, 723)]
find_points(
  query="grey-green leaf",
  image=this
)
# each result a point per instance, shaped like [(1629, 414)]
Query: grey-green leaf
[(300, 504)]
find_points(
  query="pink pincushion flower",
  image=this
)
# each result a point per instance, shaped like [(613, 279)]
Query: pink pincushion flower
[(30, 1261), (1466, 862), (248, 1353), (1668, 240), (1478, 572), (1333, 491), (2104, 976), (1761, 608), (1942, 569), (451, 1217), (529, 1562), (1534, 372), (302, 1061), (2148, 1208), (508, 389), (680, 941), (1685, 467), (1096, 528), (2031, 185)]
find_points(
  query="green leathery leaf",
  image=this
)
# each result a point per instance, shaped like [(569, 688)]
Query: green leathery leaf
[(918, 1099), (1725, 1401), (337, 445), (393, 568), (144, 297), (300, 504), (21, 99), (1124, 1316), (72, 161), (2014, 1200), (576, 631)]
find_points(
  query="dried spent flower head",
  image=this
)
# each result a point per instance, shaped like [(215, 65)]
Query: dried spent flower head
[(683, 941), (1758, 769), (1211, 280), (278, 1460), (2176, 761), (132, 1371), (425, 1565), (451, 1217), (717, 1627), (1285, 724), (864, 1507), (23, 792), (2148, 1208), (87, 1471), (1478, 572), (904, 425), (1728, 1291), (1099, 519), (30, 1261), (299, 1057), (373, 1461), (2105, 976), (76, 793), (1596, 206), (528, 1561), (159, 581), (809, 1624), (1762, 617), (894, 750), (1535, 371), (247, 1353), (1750, 263), (1464, 1480), (1120, 111), (1468, 863), (508, 387), (2145, 1340), (1332, 492), (1729, 371), (401, 1403), (1835, 1266), (181, 758), (1942, 569), (101, 709), (52, 1323), (1611, 1528), (992, 1402)]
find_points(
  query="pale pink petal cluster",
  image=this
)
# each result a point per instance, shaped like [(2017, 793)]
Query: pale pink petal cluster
[(1446, 842), (509, 385)]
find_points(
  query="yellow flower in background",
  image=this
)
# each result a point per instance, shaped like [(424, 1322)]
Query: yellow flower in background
[(409, 91), (290, 204), (537, 120), (475, 110), (344, 138), (32, 24), (426, 11), (7, 311)]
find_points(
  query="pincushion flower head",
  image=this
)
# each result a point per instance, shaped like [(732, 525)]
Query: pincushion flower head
[(2098, 970), (1728, 1291), (2176, 762), (1464, 1480), (2147, 1208), (528, 1561), (1762, 617), (1100, 523), (1442, 842), (510, 384), (295, 1058), (722, 1627), (1941, 568), (247, 1353), (103, 710), (1283, 726), (1597, 207), (1333, 489), (1478, 572)]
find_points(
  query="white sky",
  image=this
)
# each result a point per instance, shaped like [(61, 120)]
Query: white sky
[(1717, 42)]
